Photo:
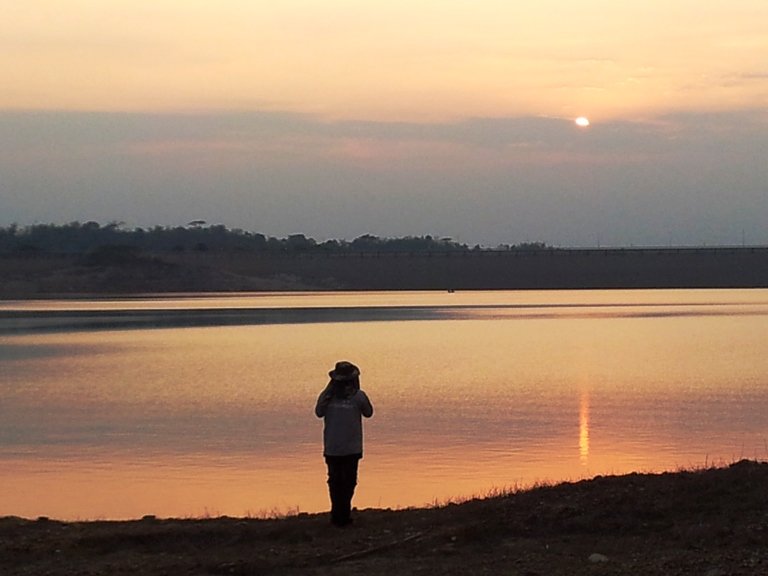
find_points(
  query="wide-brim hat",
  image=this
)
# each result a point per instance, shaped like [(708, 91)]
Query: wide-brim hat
[(344, 371)]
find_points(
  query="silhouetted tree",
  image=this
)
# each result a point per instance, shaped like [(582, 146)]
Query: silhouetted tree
[(79, 238)]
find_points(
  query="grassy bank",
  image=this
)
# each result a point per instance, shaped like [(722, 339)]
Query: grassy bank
[(708, 522)]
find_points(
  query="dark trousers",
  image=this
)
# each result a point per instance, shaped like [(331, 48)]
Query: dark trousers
[(342, 479)]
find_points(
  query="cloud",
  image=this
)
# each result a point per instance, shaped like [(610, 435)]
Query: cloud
[(295, 135), (745, 79), (486, 180)]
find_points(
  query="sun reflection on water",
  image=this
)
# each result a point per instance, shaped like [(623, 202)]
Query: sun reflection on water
[(584, 427)]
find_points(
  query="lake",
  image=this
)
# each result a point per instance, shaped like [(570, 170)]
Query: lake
[(202, 405)]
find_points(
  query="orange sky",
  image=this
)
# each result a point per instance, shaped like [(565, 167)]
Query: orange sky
[(400, 60), (338, 118)]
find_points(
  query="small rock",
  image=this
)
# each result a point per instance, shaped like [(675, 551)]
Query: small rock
[(597, 558)]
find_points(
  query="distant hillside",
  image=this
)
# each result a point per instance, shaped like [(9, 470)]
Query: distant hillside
[(125, 270)]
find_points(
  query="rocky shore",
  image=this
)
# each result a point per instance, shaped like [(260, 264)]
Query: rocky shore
[(707, 522)]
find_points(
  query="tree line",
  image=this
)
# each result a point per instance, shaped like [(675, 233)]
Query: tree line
[(81, 238)]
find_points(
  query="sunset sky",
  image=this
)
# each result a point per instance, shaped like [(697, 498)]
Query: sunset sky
[(338, 118)]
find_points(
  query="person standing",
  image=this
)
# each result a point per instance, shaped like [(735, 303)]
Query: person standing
[(342, 404)]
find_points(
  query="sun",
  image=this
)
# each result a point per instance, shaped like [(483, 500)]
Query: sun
[(582, 121)]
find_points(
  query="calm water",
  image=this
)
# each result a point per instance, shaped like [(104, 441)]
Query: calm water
[(203, 406)]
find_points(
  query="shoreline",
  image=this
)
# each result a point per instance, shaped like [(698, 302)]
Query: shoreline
[(702, 521)]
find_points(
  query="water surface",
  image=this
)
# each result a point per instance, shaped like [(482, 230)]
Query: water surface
[(187, 406)]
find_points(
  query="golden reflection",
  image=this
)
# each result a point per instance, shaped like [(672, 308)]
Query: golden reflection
[(584, 427), (84, 488), (198, 421)]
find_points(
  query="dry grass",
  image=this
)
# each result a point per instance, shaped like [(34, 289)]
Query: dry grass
[(707, 520)]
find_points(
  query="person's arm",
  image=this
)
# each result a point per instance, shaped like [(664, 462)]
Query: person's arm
[(322, 401), (366, 408)]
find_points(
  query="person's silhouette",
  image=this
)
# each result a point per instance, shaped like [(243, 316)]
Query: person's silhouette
[(342, 404)]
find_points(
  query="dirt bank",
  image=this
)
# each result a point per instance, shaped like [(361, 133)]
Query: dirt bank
[(711, 522)]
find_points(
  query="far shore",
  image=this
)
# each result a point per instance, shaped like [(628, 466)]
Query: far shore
[(24, 276)]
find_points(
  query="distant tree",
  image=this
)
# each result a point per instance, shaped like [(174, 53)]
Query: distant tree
[(331, 246), (299, 242), (79, 238), (366, 243), (531, 246)]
